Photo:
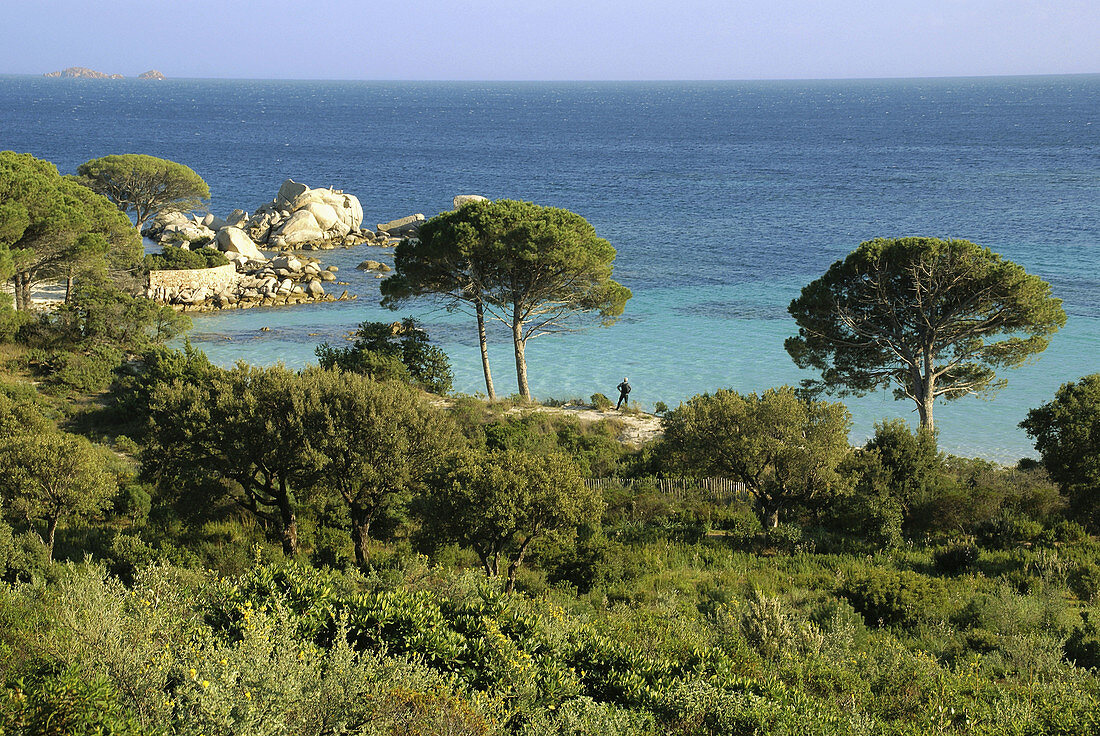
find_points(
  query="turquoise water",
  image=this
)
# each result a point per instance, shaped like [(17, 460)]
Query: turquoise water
[(723, 200)]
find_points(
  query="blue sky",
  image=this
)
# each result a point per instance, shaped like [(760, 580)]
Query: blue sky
[(539, 39)]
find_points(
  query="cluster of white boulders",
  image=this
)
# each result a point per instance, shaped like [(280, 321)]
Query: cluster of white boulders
[(299, 218), (285, 279)]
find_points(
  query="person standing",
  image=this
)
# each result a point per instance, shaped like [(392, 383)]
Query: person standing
[(624, 392)]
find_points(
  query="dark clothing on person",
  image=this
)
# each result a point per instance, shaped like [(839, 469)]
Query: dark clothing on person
[(624, 391)]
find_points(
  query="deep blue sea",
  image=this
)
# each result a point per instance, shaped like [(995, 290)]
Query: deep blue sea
[(723, 200)]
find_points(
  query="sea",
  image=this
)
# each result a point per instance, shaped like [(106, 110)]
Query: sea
[(723, 199)]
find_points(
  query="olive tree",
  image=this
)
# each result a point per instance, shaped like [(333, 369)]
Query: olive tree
[(1066, 431), (932, 318), (50, 475), (241, 426), (371, 443), (499, 502), (784, 447), (144, 185)]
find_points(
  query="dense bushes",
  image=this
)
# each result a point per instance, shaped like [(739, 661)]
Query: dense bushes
[(962, 603), (172, 258), (392, 352), (892, 597)]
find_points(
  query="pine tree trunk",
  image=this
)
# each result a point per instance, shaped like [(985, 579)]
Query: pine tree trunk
[(21, 291), (927, 395), (484, 342), (521, 360)]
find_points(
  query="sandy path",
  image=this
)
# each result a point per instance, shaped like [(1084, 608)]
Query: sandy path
[(637, 428)]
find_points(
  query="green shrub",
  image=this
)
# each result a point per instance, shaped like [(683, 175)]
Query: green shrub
[(1082, 648), (891, 597), (660, 407), (175, 259), (956, 559), (28, 558), (784, 537), (601, 402), (767, 626), (66, 704), (84, 372), (399, 351), (596, 561), (1008, 531), (741, 525), (1085, 581)]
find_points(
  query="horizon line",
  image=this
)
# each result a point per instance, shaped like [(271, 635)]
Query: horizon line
[(578, 81)]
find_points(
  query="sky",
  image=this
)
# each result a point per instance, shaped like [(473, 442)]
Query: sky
[(553, 40)]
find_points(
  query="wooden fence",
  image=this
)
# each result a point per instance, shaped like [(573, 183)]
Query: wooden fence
[(720, 490)]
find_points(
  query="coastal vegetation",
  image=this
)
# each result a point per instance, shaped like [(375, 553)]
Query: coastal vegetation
[(54, 228), (144, 186), (538, 270), (188, 549), (932, 319)]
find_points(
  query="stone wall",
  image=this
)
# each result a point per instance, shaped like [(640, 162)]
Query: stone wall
[(164, 285)]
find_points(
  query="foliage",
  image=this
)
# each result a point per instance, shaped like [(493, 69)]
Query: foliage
[(144, 185), (1085, 581), (1067, 435), (172, 258), (133, 389), (601, 402), (242, 425), (371, 444), (55, 228), (767, 627), (501, 501), (896, 470), (957, 559), (891, 597), (1083, 645), (49, 476), (392, 352), (82, 343), (66, 704), (932, 318), (784, 448)]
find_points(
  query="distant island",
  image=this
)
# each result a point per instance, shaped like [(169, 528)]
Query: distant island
[(81, 72)]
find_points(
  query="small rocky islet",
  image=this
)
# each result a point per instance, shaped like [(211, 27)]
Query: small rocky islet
[(299, 219), (83, 72)]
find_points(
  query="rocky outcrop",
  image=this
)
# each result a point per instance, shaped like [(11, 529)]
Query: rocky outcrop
[(464, 199), (284, 280), (373, 266), (176, 228), (81, 72), (298, 217), (308, 219), (404, 227), (234, 240), (151, 74)]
